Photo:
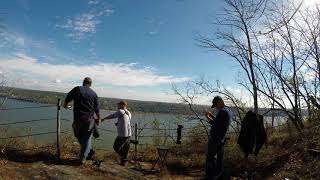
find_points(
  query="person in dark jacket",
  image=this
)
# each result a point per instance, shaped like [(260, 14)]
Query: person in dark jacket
[(252, 135), (86, 105), (219, 128)]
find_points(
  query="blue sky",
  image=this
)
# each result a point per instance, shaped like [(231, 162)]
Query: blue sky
[(132, 49)]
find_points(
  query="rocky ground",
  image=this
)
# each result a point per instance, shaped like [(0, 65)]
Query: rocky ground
[(43, 167)]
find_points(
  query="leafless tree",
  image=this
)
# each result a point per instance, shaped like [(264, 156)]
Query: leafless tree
[(235, 37), (5, 89), (193, 90), (308, 26), (281, 52)]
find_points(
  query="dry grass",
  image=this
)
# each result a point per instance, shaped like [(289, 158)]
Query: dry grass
[(285, 156)]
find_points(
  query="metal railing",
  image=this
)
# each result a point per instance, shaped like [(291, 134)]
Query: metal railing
[(56, 131), (168, 133)]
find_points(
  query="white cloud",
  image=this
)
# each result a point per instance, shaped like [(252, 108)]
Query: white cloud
[(12, 40), (20, 41), (126, 81), (309, 3), (82, 25), (152, 33), (127, 75), (57, 81), (93, 2)]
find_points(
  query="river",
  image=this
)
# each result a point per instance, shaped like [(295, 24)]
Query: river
[(48, 124), (107, 136)]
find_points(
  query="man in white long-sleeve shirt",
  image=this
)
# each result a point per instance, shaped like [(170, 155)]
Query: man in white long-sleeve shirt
[(122, 143)]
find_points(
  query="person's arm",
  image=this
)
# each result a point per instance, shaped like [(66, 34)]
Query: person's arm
[(97, 110), (70, 96), (111, 116), (209, 117)]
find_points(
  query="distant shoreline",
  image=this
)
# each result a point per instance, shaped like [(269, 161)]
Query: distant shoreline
[(109, 104), (44, 103), (49, 97)]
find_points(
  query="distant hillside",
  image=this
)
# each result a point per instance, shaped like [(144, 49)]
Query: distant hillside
[(49, 97)]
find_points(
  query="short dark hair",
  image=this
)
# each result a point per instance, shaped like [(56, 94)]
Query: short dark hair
[(123, 103), (215, 100), (87, 81)]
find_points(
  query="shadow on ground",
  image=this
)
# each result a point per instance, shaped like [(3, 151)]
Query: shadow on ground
[(42, 156)]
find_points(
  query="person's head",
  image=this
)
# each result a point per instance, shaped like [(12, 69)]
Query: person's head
[(217, 102), (122, 105), (87, 82)]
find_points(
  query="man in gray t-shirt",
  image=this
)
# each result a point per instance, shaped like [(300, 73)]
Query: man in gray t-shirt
[(122, 143)]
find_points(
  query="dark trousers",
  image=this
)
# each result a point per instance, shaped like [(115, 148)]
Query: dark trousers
[(214, 161), (121, 146)]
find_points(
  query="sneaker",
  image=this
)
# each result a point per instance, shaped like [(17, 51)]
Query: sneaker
[(90, 155)]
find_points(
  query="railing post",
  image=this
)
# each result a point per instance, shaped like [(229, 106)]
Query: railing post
[(58, 128), (136, 139), (267, 130)]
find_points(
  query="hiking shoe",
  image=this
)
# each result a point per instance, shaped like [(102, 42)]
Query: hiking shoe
[(122, 162), (90, 155)]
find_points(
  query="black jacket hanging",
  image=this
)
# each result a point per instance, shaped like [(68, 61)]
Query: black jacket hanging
[(252, 134)]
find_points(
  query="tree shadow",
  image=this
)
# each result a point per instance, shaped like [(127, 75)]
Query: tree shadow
[(46, 157), (170, 168)]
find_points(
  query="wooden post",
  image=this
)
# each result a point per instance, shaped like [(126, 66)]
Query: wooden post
[(58, 128), (29, 136), (136, 139)]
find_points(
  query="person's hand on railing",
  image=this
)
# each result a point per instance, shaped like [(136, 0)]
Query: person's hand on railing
[(68, 107)]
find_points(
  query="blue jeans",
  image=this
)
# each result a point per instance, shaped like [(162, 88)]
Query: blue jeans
[(214, 161), (83, 132)]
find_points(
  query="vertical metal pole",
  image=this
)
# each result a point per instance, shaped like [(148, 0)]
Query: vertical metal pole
[(29, 136), (266, 129), (58, 128), (136, 139)]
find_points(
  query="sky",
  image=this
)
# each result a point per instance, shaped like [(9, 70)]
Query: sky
[(131, 49)]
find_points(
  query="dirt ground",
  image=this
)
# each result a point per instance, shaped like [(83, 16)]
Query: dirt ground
[(20, 168)]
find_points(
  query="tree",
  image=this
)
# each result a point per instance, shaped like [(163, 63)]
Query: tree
[(309, 29), (308, 26), (188, 95), (190, 92), (235, 37), (282, 53)]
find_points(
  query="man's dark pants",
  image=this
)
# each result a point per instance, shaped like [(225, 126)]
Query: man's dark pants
[(82, 128), (121, 146), (214, 161)]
